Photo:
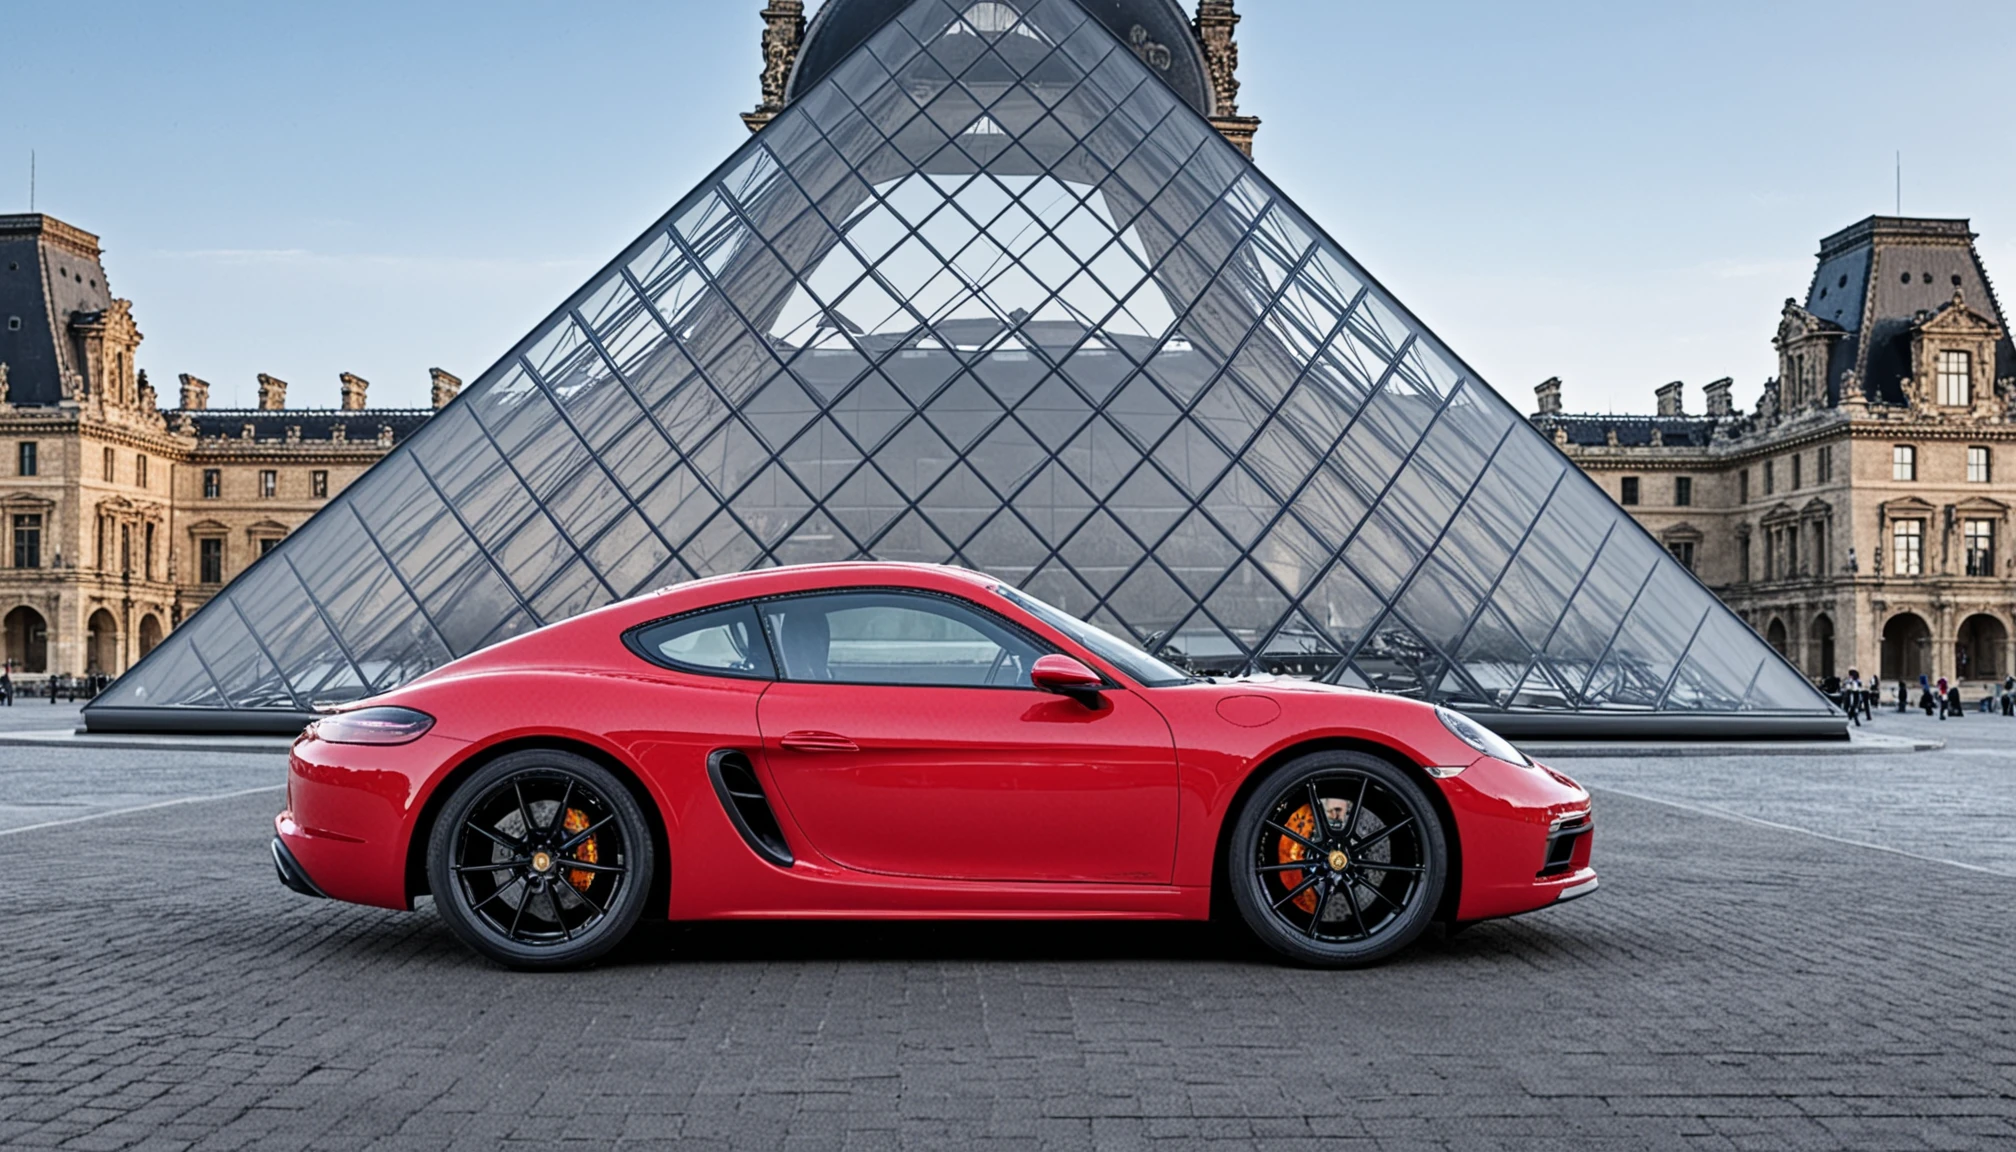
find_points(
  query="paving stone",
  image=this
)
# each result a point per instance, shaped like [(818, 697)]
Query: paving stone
[(1734, 985)]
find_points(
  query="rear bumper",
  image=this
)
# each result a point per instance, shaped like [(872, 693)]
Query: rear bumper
[(291, 873)]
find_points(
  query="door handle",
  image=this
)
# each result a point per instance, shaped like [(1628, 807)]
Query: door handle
[(817, 742)]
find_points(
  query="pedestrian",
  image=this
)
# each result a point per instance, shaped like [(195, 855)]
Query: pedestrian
[(1903, 695), (1939, 695), (7, 687), (1925, 693), (1953, 704), (1851, 692), (2009, 696)]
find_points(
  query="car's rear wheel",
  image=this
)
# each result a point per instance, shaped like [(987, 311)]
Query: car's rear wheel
[(1337, 859), (541, 859)]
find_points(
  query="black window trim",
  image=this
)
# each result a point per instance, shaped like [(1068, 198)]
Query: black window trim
[(1043, 646)]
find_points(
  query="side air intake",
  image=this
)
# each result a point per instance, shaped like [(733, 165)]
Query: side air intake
[(748, 808)]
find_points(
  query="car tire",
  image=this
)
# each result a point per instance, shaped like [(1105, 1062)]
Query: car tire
[(541, 860), (1372, 867)]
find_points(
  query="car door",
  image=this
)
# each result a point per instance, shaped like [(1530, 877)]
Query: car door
[(905, 738)]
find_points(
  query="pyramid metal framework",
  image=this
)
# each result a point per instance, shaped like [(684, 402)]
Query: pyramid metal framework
[(991, 294)]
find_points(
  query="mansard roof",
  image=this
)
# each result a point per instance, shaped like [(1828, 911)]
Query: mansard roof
[(1593, 431), (314, 423), (49, 272), (1875, 277), (842, 26)]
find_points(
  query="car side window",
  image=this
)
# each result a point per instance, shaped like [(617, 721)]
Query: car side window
[(719, 642), (879, 637)]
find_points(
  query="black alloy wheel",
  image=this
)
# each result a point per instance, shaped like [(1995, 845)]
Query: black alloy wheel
[(1337, 859), (540, 860)]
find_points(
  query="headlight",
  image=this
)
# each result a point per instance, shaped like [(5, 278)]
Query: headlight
[(1479, 737), (381, 725)]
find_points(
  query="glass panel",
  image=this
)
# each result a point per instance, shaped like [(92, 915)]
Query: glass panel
[(727, 641), (891, 638)]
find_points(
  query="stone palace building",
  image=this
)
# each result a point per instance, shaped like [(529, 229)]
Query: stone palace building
[(119, 517), (1860, 516)]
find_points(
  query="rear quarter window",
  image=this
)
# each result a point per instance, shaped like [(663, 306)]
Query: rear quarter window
[(716, 642)]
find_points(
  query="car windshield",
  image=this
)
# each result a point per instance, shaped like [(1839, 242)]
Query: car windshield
[(1140, 666)]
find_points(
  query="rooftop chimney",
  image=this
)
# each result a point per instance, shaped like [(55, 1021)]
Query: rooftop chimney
[(272, 393), (353, 392), (1718, 397), (1549, 392), (1669, 398), (446, 386), (195, 393)]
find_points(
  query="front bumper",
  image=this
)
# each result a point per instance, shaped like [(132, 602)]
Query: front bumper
[(1526, 834)]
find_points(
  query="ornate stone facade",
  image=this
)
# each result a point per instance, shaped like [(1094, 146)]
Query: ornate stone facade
[(117, 517), (1860, 516), (783, 33), (1214, 26)]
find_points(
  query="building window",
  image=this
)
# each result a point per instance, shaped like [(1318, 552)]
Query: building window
[(318, 484), (269, 482), (1683, 491), (1979, 468), (1790, 558), (1744, 558), (28, 540), (1825, 470), (140, 470), (1798, 478), (1683, 551), (148, 557), (1904, 462), (1980, 547), (1956, 378), (1630, 490), (1907, 545), (1770, 477), (1743, 486), (210, 557), (26, 463), (267, 544), (111, 465), (213, 483)]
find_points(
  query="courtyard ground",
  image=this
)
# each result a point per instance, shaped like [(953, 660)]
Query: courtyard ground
[(1789, 951)]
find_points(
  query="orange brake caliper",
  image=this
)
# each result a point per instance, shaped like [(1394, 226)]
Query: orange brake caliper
[(1303, 823), (577, 821)]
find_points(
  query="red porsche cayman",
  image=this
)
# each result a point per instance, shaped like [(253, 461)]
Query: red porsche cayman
[(914, 742)]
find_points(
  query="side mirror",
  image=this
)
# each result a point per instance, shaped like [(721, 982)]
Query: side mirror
[(1066, 676)]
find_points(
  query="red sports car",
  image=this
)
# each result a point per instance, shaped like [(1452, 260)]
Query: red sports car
[(909, 742)]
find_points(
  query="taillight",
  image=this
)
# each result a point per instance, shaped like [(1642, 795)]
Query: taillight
[(381, 725)]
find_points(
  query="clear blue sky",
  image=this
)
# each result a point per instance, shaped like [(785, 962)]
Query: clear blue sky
[(1620, 194)]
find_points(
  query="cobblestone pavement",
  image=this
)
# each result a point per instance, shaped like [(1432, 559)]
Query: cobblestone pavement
[(1734, 985), (1956, 805), (36, 712)]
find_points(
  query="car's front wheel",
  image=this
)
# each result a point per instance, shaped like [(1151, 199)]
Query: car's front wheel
[(1337, 859), (541, 859)]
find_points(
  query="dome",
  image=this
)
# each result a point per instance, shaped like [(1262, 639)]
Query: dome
[(1158, 30)]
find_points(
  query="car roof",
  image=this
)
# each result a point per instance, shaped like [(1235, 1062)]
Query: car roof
[(811, 577)]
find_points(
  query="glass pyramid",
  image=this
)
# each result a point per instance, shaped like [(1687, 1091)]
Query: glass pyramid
[(991, 294)]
